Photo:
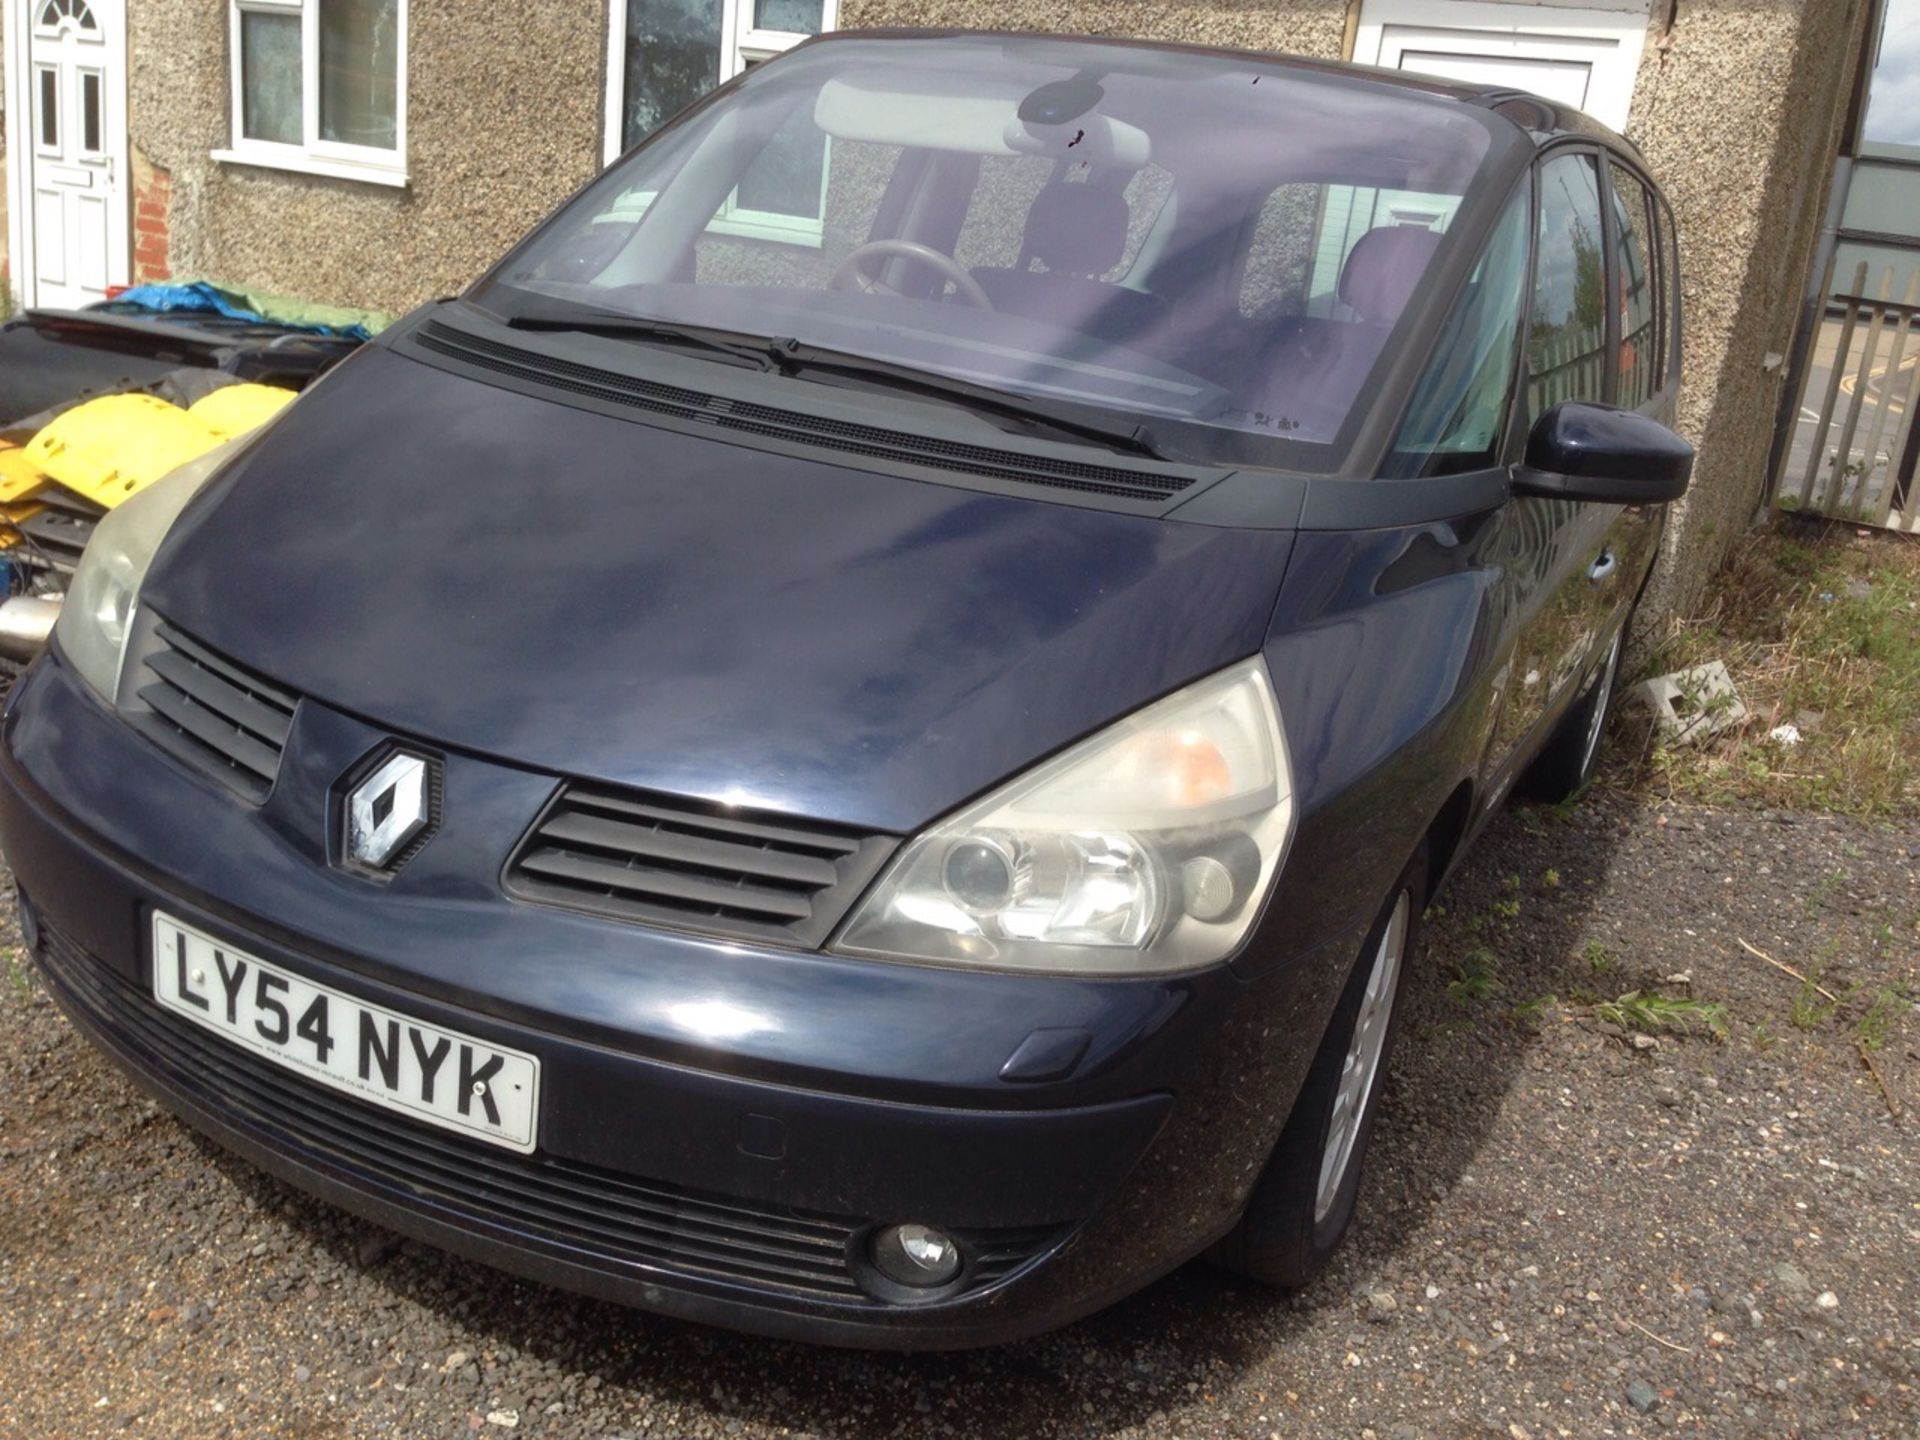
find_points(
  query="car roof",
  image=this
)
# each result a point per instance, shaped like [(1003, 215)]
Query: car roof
[(1543, 120)]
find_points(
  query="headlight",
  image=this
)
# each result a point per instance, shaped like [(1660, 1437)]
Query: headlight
[(98, 611), (1145, 848)]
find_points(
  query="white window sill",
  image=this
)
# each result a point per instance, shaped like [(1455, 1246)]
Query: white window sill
[(301, 163)]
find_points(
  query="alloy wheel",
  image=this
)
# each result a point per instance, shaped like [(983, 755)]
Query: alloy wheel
[(1361, 1069)]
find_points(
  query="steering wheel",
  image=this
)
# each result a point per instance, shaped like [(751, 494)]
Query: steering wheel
[(851, 273)]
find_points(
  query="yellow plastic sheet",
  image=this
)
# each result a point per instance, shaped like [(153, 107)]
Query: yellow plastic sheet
[(235, 409), (116, 446), (19, 476)]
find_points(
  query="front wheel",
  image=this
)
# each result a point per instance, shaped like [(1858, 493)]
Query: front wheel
[(1303, 1202), (1569, 759)]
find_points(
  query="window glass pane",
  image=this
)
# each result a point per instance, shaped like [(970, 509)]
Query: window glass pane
[(1092, 299), (1454, 421), (1634, 381), (1304, 234), (1883, 199), (800, 16), (50, 109), (673, 58), (860, 173), (1892, 124), (90, 112), (359, 72), (270, 77), (1670, 286), (1567, 339), (787, 176)]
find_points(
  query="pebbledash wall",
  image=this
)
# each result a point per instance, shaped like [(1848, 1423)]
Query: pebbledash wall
[(503, 122), (1737, 106)]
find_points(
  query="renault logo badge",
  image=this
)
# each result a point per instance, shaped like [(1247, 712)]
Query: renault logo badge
[(389, 810)]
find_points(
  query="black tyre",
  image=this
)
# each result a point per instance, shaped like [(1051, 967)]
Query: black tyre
[(1303, 1201), (1569, 759)]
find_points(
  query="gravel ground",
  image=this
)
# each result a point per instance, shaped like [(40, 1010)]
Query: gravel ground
[(1565, 1231)]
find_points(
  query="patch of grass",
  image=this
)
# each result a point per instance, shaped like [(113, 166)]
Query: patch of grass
[(1476, 977), (1653, 1013), (1600, 960), (1508, 910), (1763, 1038), (1550, 878), (1887, 1009), (1820, 628), (17, 974), (1811, 1007), (1533, 1013)]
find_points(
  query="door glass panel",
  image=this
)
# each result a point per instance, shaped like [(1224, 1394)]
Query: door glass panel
[(270, 92), (50, 109), (359, 72), (90, 112), (1634, 381), (1669, 289), (1458, 410), (802, 17), (673, 58), (1567, 339)]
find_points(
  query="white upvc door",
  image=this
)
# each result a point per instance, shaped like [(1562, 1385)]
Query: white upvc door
[(67, 149), (1584, 57)]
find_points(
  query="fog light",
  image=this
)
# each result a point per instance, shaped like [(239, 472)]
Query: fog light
[(1209, 888), (916, 1255)]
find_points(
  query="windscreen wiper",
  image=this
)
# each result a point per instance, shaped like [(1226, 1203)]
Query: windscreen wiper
[(615, 324), (793, 357)]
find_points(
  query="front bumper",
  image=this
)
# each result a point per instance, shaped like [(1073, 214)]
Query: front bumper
[(729, 1181)]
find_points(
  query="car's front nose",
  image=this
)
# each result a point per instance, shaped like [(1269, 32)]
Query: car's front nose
[(721, 1124)]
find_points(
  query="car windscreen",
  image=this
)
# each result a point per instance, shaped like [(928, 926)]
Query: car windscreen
[(1216, 246)]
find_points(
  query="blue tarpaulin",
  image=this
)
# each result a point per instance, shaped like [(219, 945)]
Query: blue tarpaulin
[(199, 297)]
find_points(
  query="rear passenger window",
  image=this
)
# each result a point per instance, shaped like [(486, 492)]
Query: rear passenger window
[(1567, 338), (1636, 360), (1455, 420)]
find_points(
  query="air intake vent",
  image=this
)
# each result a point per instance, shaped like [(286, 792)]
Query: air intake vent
[(211, 714), (693, 866), (533, 370)]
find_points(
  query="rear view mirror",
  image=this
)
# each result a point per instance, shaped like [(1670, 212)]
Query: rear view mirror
[(1599, 453)]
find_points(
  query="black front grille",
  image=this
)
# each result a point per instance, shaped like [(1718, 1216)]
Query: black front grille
[(591, 382), (570, 1210), (694, 866), (212, 714)]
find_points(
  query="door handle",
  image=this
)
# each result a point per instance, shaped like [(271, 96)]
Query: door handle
[(1603, 568)]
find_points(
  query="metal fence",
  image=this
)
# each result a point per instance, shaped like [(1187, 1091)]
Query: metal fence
[(1854, 444), (1567, 365)]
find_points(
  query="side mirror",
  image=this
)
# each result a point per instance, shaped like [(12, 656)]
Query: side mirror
[(1599, 453)]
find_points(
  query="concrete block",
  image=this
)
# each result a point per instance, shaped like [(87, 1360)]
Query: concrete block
[(1691, 705)]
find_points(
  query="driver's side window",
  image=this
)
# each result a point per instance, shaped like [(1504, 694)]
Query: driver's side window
[(1457, 418)]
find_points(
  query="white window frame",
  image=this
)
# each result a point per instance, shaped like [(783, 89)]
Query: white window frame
[(1608, 36), (313, 156), (740, 46)]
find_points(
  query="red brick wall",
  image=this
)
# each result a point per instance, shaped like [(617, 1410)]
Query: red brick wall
[(152, 208)]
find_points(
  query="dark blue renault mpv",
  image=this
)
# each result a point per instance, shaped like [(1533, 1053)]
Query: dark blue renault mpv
[(852, 744)]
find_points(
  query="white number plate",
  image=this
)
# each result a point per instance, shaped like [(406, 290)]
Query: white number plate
[(439, 1076)]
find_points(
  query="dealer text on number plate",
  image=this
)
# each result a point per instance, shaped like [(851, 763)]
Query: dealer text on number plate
[(439, 1076)]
